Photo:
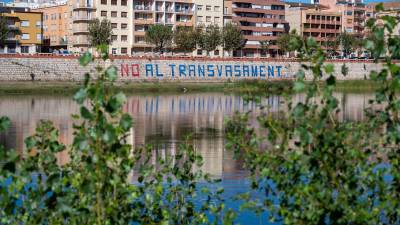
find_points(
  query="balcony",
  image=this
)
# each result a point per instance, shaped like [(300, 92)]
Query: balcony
[(82, 18), (262, 29), (239, 19), (315, 21), (142, 8), (87, 7), (260, 38), (13, 27), (143, 21), (321, 30)]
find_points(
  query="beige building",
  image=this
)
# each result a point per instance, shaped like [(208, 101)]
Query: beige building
[(56, 25), (353, 14), (209, 12), (148, 12), (311, 21)]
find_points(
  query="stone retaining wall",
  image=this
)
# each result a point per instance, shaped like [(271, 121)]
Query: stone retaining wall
[(49, 68)]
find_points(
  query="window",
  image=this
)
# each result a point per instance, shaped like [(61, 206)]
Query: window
[(24, 49), (200, 19), (104, 2), (216, 52), (38, 24), (216, 8), (349, 13), (124, 26), (103, 13), (25, 36), (199, 7), (113, 2), (114, 51), (124, 14), (114, 25), (208, 19), (208, 8), (39, 37), (113, 13), (114, 37), (24, 23), (124, 2), (124, 50), (199, 52), (349, 21), (226, 10), (216, 20), (124, 38)]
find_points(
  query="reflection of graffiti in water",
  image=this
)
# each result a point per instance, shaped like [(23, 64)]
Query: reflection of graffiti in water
[(161, 120)]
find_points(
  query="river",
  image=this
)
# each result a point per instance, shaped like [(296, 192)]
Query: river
[(164, 121)]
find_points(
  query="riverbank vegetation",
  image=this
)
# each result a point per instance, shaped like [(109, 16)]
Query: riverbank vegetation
[(312, 167), (142, 88)]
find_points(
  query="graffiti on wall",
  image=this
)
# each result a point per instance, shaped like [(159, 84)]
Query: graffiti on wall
[(208, 70)]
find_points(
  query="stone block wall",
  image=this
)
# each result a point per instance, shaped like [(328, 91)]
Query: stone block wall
[(50, 68)]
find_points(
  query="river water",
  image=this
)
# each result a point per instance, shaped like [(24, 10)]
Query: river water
[(164, 121)]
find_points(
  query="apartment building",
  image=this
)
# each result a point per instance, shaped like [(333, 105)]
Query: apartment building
[(57, 25), (353, 14), (148, 12), (81, 13), (259, 20), (119, 12), (389, 9), (314, 21), (209, 12), (227, 11), (26, 30)]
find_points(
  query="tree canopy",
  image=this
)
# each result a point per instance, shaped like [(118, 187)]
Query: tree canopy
[(232, 37), (211, 38), (347, 43), (4, 30), (185, 39), (100, 32), (160, 36)]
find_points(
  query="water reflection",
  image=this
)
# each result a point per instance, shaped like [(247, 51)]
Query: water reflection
[(162, 121)]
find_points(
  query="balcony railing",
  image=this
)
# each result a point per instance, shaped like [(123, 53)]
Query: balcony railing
[(83, 6), (142, 7)]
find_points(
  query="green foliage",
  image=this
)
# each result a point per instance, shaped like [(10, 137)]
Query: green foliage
[(4, 30), (232, 37), (347, 42), (160, 36), (264, 46), (185, 38), (106, 180), (211, 38), (316, 168), (100, 32), (285, 40)]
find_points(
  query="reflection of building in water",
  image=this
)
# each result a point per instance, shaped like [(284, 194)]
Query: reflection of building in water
[(163, 121)]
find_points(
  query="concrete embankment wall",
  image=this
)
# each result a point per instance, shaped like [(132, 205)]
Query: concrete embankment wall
[(52, 68)]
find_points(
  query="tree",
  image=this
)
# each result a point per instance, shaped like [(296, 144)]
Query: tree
[(232, 37), (100, 32), (210, 38), (347, 43), (160, 36), (283, 42), (264, 46), (4, 30), (185, 39)]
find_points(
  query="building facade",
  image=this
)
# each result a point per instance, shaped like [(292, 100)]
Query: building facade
[(26, 30), (57, 25), (310, 21), (173, 13), (259, 20), (353, 14)]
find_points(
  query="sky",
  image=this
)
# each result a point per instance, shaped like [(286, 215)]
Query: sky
[(367, 1)]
